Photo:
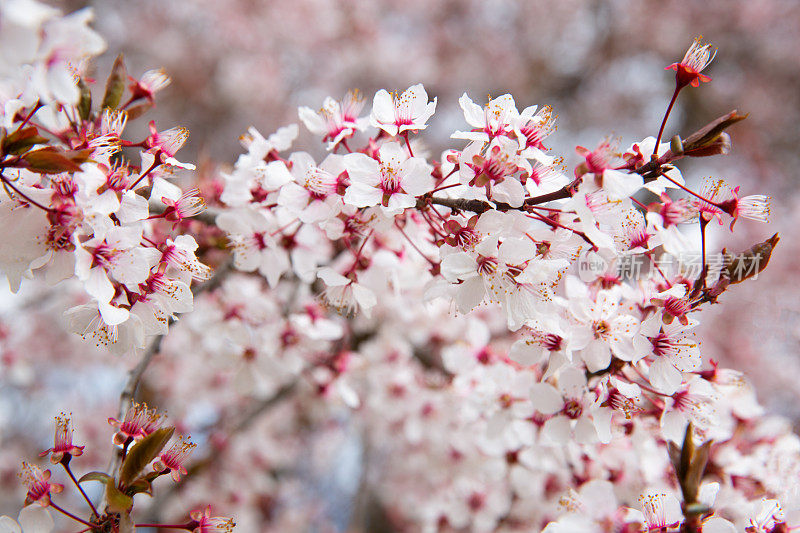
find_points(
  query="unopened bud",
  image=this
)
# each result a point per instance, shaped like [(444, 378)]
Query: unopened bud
[(751, 262), (711, 140), (721, 145)]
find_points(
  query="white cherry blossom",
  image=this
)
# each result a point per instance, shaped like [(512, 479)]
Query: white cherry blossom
[(410, 111)]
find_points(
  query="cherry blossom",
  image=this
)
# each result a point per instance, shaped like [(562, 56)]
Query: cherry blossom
[(688, 70), (407, 112), (139, 422), (39, 486), (174, 458), (149, 84), (166, 144), (392, 181), (336, 121), (661, 511), (205, 523), (498, 117), (575, 412), (63, 449), (475, 341)]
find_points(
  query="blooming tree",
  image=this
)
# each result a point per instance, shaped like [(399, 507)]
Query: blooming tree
[(509, 343)]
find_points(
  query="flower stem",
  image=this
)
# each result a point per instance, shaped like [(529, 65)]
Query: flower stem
[(704, 271), (555, 224), (693, 193), (664, 122), (156, 163), (85, 497), (166, 526), (67, 513), (32, 112), (437, 189), (408, 144), (414, 246), (358, 253)]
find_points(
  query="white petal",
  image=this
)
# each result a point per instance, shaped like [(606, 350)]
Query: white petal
[(596, 355), (458, 266), (585, 432), (620, 185), (276, 175), (664, 376), (546, 399), (314, 122), (602, 424), (557, 430), (113, 315), (473, 113), (362, 195), (716, 524), (331, 277), (469, 294), (9, 525)]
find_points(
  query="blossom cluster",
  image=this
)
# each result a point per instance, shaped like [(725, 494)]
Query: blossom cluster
[(438, 301), (84, 201), (141, 437)]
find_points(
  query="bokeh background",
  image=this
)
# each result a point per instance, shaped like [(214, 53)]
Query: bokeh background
[(599, 63)]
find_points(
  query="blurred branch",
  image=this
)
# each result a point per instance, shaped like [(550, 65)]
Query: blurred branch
[(243, 422), (135, 374)]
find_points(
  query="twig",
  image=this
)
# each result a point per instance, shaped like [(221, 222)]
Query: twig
[(650, 171)]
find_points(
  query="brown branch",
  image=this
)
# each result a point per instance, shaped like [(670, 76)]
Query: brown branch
[(705, 141)]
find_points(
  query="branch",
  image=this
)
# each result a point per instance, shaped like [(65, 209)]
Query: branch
[(705, 141), (431, 362), (260, 407)]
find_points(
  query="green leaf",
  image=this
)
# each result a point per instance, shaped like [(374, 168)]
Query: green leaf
[(118, 501), (85, 102), (50, 161), (115, 85), (143, 452), (102, 477), (22, 140)]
